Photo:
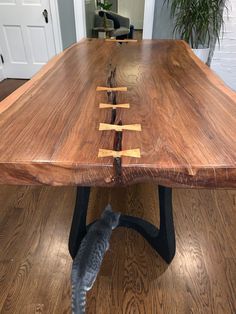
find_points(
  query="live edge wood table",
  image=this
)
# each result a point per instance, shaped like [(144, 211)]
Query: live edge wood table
[(105, 113)]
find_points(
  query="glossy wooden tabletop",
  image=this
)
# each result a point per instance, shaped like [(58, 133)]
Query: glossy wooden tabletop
[(49, 128)]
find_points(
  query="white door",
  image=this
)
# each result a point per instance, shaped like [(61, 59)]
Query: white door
[(26, 39)]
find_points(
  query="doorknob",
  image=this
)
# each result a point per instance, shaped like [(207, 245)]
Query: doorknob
[(45, 14)]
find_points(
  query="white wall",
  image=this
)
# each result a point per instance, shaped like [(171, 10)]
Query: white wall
[(224, 59), (134, 9), (114, 3)]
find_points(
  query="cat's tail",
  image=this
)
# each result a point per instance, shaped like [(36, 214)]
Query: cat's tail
[(78, 301), (78, 295)]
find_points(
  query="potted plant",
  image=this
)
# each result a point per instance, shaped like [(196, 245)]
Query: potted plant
[(198, 22), (105, 6)]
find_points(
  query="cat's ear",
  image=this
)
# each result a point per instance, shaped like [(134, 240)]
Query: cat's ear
[(107, 211), (115, 220), (108, 208)]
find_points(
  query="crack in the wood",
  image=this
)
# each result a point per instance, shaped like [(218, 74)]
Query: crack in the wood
[(111, 82), (117, 161)]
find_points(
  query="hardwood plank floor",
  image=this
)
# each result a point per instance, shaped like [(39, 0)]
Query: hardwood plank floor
[(8, 86), (35, 264)]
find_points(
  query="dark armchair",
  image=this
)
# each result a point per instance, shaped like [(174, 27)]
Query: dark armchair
[(119, 24)]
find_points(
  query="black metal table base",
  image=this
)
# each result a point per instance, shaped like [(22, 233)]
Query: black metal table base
[(162, 239)]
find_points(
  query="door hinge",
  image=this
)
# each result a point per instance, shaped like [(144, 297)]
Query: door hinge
[(1, 56)]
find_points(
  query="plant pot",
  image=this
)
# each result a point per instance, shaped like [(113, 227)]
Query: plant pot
[(202, 54), (102, 35)]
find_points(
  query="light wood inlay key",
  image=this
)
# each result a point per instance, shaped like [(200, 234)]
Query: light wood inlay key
[(118, 154), (122, 40), (107, 106), (119, 128), (111, 89)]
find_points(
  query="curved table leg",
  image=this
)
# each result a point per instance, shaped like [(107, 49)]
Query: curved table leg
[(78, 226), (162, 240)]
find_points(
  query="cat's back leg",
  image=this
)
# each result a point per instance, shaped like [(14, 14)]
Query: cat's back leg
[(90, 279)]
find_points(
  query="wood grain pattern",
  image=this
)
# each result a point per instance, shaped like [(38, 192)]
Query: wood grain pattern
[(49, 128), (35, 264), (8, 101)]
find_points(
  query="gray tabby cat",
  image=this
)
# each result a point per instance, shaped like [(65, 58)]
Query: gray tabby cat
[(88, 260)]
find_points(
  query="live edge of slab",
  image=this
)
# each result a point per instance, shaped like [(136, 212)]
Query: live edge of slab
[(49, 127)]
